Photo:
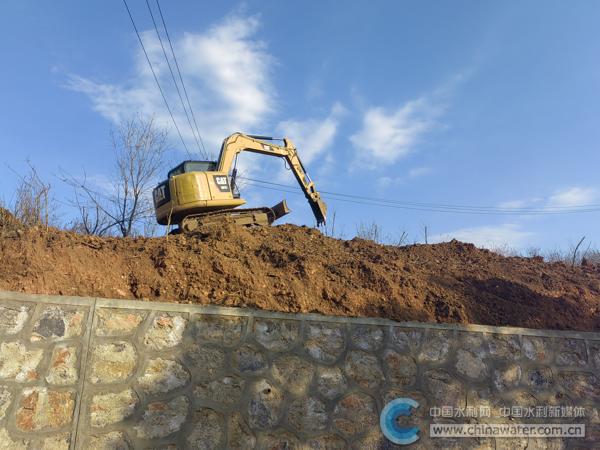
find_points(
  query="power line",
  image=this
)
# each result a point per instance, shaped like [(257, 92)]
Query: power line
[(155, 77), (181, 77), (431, 207), (173, 77)]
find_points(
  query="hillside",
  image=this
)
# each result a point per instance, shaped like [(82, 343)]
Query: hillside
[(297, 269)]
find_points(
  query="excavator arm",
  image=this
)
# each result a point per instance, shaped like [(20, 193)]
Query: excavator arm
[(238, 142)]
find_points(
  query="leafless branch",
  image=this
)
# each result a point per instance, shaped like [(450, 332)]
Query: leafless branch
[(574, 257), (139, 148), (32, 204)]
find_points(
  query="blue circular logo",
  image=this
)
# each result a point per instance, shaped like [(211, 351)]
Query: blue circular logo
[(388, 421)]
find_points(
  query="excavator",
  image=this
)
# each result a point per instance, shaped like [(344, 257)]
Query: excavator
[(199, 193)]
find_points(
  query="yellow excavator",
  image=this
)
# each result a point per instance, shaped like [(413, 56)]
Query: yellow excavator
[(198, 193)]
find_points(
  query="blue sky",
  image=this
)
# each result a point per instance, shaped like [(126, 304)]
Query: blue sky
[(457, 103)]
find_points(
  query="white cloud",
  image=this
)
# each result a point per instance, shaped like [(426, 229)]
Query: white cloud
[(565, 198), (490, 236), (312, 136), (226, 70), (387, 136), (575, 196)]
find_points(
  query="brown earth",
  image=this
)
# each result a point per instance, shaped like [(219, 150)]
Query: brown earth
[(297, 269)]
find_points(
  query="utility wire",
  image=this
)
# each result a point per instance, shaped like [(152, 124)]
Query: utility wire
[(438, 205), (174, 79), (181, 77), (155, 77), (432, 207)]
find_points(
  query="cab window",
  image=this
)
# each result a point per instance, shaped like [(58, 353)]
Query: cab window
[(193, 166)]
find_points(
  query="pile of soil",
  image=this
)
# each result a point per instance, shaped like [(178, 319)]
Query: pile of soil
[(297, 269)]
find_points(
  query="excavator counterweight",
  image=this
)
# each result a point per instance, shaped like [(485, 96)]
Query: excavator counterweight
[(197, 193)]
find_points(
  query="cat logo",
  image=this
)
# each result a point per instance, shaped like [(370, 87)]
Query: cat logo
[(160, 194), (222, 182)]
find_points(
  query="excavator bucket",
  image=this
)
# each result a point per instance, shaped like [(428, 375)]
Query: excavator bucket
[(280, 210), (319, 209)]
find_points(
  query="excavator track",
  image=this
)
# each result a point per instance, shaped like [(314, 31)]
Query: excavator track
[(243, 217)]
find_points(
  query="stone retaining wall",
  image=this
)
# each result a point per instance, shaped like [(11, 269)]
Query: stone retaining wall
[(112, 374)]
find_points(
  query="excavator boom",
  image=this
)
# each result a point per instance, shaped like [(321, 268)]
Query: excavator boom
[(239, 142)]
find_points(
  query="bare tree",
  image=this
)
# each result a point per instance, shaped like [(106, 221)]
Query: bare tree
[(575, 250), (329, 228), (401, 240), (370, 231), (32, 204), (139, 150), (92, 220)]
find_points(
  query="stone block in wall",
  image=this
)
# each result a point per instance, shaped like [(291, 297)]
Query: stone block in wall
[(114, 440), (43, 409), (19, 362), (64, 367), (222, 330), (326, 442), (571, 352), (207, 429), (60, 441), (203, 361), (118, 322), (13, 317), (444, 389), (112, 362), (507, 378), (540, 378), (471, 364), (400, 369), (265, 405), (225, 392), (594, 352), (276, 335), (581, 385), (239, 435), (162, 418), (331, 382), (355, 413), (249, 360), (504, 346), (58, 322), (278, 440), (8, 443), (6, 398), (367, 337), (538, 348), (407, 340), (363, 369), (325, 342), (294, 373), (162, 375), (165, 332), (308, 415), (112, 407), (435, 347)]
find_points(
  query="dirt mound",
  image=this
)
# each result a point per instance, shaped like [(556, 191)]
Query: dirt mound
[(8, 222), (296, 269)]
